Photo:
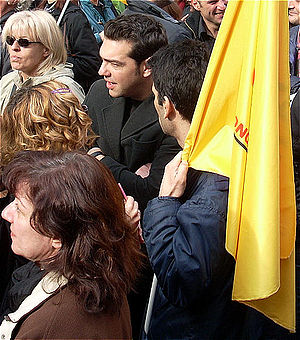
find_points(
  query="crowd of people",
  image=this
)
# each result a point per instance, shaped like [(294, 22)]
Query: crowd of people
[(97, 98)]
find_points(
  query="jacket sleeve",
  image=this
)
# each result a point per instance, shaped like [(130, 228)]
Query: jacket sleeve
[(83, 50), (144, 189), (186, 246)]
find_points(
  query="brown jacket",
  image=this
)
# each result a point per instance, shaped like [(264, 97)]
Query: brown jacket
[(61, 317)]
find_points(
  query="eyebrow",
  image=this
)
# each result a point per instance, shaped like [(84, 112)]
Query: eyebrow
[(113, 61)]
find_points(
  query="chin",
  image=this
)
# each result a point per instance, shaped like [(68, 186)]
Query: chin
[(114, 94), (16, 250)]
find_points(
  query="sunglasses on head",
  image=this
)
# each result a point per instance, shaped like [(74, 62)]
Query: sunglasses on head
[(23, 42)]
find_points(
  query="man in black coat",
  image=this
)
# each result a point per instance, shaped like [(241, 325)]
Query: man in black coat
[(131, 142), (122, 110), (204, 22)]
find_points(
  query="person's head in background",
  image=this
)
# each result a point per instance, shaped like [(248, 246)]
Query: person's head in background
[(170, 6), (10, 5), (212, 12), (294, 12), (44, 117), (34, 41)]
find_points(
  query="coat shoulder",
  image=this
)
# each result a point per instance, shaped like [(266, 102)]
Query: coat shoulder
[(63, 317)]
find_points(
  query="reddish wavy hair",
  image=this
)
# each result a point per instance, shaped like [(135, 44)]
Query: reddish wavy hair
[(77, 200)]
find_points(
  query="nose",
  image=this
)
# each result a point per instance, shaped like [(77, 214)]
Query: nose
[(15, 46), (222, 4), (8, 212), (290, 4), (104, 71)]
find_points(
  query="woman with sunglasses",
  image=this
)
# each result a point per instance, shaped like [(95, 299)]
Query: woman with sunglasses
[(8, 8), (37, 54)]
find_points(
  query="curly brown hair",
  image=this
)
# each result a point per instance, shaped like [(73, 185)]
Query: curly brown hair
[(44, 117)]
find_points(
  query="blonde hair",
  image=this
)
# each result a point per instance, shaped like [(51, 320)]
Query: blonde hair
[(44, 117), (38, 26)]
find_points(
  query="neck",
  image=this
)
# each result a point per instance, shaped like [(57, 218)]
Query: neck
[(211, 29), (145, 90), (24, 76), (182, 130)]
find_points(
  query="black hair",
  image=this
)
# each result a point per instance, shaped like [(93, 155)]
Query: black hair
[(178, 72), (144, 33)]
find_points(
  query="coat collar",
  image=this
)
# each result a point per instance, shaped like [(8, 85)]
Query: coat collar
[(113, 115)]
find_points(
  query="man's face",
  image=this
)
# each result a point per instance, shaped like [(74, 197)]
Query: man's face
[(294, 12), (212, 11), (122, 74)]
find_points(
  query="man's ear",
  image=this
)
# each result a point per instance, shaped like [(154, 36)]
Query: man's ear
[(169, 109), (196, 5), (145, 69), (56, 243)]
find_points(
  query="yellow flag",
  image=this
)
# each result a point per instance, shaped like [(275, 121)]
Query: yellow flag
[(241, 129)]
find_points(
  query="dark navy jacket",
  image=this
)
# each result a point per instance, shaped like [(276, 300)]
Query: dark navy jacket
[(173, 28), (295, 80), (185, 240)]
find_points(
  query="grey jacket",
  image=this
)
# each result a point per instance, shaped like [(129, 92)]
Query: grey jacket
[(62, 73)]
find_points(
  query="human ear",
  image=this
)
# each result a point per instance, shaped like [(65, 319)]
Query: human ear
[(145, 69), (169, 109), (196, 5), (56, 243)]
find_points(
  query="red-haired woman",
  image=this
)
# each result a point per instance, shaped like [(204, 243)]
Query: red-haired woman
[(68, 217)]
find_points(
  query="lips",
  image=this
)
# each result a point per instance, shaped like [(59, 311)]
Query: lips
[(14, 58), (110, 85)]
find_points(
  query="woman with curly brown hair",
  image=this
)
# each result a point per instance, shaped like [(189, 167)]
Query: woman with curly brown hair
[(68, 217), (44, 117)]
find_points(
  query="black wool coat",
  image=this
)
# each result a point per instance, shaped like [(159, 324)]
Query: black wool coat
[(127, 147)]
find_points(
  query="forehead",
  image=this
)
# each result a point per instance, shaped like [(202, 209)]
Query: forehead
[(22, 189), (19, 31), (208, 3), (115, 49)]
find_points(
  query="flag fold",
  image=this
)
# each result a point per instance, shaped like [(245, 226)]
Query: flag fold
[(241, 129)]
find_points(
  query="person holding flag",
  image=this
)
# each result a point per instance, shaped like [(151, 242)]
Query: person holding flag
[(207, 253)]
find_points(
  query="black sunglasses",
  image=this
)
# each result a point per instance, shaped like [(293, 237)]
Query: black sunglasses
[(23, 42)]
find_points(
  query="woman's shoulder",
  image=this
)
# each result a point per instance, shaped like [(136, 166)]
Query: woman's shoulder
[(62, 316), (8, 78), (64, 74), (7, 83)]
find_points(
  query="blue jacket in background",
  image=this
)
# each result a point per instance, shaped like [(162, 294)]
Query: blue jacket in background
[(295, 80), (96, 19)]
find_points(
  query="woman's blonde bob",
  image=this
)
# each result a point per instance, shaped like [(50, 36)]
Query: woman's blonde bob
[(38, 26)]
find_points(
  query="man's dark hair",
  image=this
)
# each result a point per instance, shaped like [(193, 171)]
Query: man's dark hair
[(144, 33), (178, 72)]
